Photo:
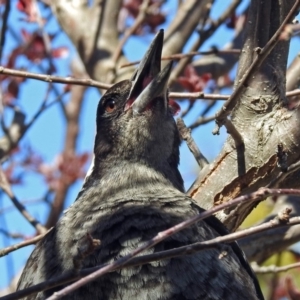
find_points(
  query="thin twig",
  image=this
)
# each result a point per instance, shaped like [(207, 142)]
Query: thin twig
[(43, 107), (201, 95), (213, 243), (19, 121), (9, 208), (273, 269), (233, 132), (51, 78), (239, 143), (189, 108), (179, 56), (205, 34), (102, 85), (292, 93), (22, 244), (12, 235), (5, 186), (130, 31), (185, 134), (201, 121), (282, 175)]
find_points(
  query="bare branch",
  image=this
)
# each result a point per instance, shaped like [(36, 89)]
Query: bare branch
[(179, 56), (22, 244), (138, 21), (221, 63), (5, 186), (273, 269), (282, 175), (101, 85), (18, 128), (51, 78), (13, 133), (185, 134), (201, 121), (188, 17)]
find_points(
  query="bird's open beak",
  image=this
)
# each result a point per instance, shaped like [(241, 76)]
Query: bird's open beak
[(148, 82)]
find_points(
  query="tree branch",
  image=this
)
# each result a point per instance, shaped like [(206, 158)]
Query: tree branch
[(261, 55), (5, 186), (22, 244), (273, 269)]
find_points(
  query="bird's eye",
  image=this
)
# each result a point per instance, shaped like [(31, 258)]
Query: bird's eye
[(110, 106)]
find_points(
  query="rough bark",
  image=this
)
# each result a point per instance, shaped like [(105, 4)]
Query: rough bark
[(262, 118)]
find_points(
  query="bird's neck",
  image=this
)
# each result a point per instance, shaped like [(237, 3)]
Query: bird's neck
[(134, 175)]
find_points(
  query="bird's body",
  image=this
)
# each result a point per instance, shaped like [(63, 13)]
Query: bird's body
[(135, 191)]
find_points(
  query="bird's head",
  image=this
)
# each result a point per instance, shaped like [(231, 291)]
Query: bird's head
[(135, 119)]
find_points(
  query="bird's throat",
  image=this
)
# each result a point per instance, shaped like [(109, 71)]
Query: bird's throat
[(133, 176)]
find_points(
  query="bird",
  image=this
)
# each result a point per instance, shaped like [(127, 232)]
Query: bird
[(133, 192)]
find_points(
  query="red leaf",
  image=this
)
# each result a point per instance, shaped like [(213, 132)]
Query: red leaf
[(154, 16), (13, 88), (154, 20), (34, 48), (29, 8), (60, 52), (132, 6), (191, 81), (66, 170), (174, 106)]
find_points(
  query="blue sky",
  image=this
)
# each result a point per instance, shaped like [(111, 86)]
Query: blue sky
[(46, 136)]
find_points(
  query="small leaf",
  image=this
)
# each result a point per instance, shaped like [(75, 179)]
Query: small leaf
[(29, 8), (60, 52)]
